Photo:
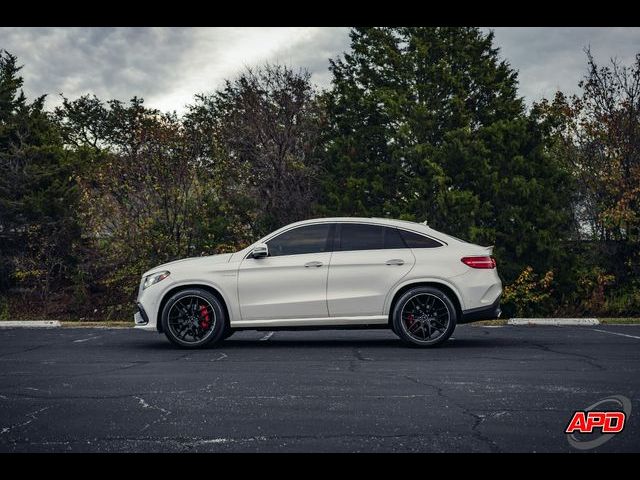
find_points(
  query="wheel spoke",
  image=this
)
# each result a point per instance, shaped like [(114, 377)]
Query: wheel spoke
[(181, 310), (411, 328)]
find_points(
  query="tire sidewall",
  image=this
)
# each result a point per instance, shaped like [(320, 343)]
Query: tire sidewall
[(218, 327), (399, 328)]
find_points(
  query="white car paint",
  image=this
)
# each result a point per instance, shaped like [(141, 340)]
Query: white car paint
[(327, 288)]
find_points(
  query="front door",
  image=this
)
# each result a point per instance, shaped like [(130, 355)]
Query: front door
[(292, 281)]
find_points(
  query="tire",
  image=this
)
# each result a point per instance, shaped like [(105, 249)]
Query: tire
[(227, 333), (424, 317), (193, 318)]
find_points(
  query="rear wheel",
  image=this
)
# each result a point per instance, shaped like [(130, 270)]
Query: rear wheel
[(193, 318), (424, 316)]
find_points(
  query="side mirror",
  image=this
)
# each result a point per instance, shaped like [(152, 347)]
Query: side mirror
[(260, 251)]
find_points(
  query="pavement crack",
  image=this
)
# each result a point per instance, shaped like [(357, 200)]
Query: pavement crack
[(164, 413), (33, 416), (587, 358), (31, 349), (477, 418), (358, 354), (356, 358)]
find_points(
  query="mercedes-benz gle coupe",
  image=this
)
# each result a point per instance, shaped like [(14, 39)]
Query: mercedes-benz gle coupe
[(326, 273)]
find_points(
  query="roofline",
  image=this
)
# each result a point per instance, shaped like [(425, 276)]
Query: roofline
[(405, 224)]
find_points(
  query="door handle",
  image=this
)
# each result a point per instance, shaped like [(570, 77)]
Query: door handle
[(313, 264), (395, 261)]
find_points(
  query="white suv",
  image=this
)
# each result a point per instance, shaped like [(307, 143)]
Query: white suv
[(326, 273)]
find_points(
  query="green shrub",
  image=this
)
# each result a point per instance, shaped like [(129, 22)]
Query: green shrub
[(528, 295)]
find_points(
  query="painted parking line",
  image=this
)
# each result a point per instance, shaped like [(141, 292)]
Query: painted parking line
[(86, 339), (615, 333), (267, 336)]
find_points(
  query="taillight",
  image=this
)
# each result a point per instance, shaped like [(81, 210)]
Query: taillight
[(479, 262)]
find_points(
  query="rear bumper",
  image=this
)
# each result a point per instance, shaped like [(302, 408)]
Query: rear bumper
[(482, 313)]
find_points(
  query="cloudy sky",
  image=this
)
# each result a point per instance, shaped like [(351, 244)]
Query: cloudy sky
[(167, 66)]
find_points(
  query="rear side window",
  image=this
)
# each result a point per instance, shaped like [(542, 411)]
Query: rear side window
[(413, 240), (392, 238), (355, 236), (307, 239)]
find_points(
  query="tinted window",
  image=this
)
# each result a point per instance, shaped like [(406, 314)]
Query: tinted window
[(392, 238), (413, 240), (309, 239), (368, 237)]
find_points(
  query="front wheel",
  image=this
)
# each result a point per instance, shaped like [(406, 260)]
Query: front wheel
[(424, 316), (193, 318)]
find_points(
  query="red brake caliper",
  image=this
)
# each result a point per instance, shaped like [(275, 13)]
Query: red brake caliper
[(204, 317), (410, 319)]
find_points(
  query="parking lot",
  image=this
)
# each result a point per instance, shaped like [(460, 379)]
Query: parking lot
[(489, 389)]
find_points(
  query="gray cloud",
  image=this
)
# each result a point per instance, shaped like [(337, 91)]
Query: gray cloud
[(110, 62), (551, 59), (167, 66)]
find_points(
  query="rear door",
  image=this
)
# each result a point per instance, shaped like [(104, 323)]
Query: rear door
[(367, 261)]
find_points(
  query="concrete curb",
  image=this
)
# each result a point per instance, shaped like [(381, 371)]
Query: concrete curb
[(31, 324), (553, 321)]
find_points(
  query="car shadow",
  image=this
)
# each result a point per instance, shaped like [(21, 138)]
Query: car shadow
[(386, 343)]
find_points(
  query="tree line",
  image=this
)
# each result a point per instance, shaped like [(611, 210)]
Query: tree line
[(418, 123)]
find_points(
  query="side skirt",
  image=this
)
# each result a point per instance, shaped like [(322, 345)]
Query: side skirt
[(318, 323)]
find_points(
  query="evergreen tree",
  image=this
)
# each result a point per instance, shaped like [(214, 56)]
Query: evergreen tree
[(426, 124), (37, 194)]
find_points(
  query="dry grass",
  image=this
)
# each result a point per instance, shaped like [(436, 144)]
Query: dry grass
[(620, 320)]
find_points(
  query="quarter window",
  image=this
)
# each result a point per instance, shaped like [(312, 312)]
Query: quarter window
[(307, 239), (413, 240)]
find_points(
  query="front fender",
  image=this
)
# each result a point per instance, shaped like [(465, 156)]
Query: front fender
[(225, 287)]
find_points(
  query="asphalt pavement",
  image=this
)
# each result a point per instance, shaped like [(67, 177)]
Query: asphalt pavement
[(488, 389)]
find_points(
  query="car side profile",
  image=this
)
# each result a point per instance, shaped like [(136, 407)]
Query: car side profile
[(326, 273)]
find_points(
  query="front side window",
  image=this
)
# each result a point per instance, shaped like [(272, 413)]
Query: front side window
[(358, 236), (307, 239)]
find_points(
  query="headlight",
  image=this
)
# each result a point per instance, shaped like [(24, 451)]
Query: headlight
[(154, 278)]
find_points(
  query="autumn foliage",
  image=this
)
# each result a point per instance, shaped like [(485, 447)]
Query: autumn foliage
[(419, 123)]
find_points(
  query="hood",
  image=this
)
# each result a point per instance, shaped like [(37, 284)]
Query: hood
[(211, 259)]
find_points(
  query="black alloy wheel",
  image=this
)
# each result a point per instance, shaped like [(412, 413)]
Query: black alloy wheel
[(424, 316), (193, 318)]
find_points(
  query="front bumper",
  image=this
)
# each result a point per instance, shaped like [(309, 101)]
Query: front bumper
[(489, 312), (141, 319)]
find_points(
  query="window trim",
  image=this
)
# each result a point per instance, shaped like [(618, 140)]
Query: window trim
[(441, 242), (335, 226)]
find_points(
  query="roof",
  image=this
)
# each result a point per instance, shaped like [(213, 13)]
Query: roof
[(405, 224)]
